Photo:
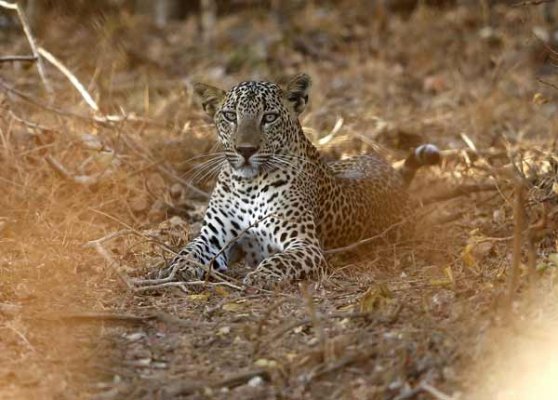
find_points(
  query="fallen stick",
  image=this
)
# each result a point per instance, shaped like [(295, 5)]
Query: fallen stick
[(519, 226), (185, 388), (183, 285), (122, 317)]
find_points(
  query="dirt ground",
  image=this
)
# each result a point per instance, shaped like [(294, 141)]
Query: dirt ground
[(92, 201)]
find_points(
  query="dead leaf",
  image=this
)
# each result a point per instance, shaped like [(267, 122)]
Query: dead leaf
[(201, 297), (539, 99), (265, 363), (467, 256), (374, 298)]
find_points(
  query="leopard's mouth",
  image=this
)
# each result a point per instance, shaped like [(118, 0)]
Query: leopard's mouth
[(247, 171)]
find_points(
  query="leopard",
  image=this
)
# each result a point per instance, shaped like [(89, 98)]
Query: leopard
[(277, 203)]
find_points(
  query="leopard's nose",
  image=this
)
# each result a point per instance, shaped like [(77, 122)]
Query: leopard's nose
[(246, 151)]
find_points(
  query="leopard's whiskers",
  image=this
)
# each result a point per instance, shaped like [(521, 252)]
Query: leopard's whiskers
[(203, 170), (198, 157)]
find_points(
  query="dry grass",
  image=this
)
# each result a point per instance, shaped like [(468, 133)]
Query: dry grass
[(395, 321)]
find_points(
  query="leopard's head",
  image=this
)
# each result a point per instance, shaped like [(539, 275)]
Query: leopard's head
[(257, 122)]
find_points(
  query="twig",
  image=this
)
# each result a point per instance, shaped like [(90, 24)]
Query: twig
[(186, 388), (98, 316), (29, 124), (263, 320), (21, 336), (132, 230), (183, 285), (534, 232), (424, 387), (30, 40), (112, 264), (531, 3), (336, 128), (380, 235), (122, 317), (71, 77), (462, 190), (519, 223), (18, 59), (436, 393), (469, 142), (165, 282), (307, 321), (343, 362), (315, 318), (87, 180), (108, 237)]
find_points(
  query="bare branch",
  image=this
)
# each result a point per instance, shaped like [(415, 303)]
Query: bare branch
[(30, 40), (86, 180), (18, 59), (71, 77)]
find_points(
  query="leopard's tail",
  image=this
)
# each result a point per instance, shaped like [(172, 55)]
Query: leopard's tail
[(422, 156)]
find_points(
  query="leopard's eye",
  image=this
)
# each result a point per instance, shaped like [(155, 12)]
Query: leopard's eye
[(229, 116), (269, 118)]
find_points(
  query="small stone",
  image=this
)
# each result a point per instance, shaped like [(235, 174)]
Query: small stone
[(256, 381), (132, 337)]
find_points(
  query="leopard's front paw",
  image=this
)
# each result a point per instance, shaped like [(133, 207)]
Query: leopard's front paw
[(263, 277), (182, 268)]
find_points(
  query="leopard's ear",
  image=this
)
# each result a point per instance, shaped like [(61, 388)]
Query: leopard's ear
[(210, 97), (297, 91)]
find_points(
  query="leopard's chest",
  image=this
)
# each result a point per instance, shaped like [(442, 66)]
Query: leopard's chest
[(255, 210), (250, 202)]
